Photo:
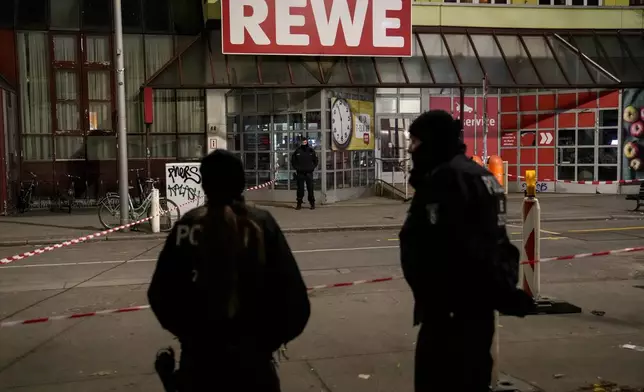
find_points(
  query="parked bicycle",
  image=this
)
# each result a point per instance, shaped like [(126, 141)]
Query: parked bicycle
[(65, 198), (26, 193), (110, 206)]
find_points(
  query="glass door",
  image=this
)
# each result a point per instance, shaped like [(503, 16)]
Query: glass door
[(393, 162)]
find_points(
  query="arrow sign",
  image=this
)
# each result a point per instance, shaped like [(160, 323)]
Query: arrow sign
[(546, 138)]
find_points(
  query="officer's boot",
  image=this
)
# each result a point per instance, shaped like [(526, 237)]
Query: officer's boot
[(312, 205), (164, 365), (299, 205)]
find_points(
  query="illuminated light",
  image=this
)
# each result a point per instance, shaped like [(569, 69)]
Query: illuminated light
[(531, 183)]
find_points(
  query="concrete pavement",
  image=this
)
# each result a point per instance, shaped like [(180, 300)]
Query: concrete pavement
[(359, 339), (39, 228)]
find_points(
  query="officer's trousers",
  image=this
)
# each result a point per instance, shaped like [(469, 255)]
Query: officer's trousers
[(304, 178), (453, 354)]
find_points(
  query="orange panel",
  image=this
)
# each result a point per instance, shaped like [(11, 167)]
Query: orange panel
[(528, 103), (509, 104), (546, 121), (546, 172), (566, 101), (547, 102), (586, 120), (609, 100), (528, 156), (566, 120), (528, 121), (546, 155), (510, 155), (509, 121)]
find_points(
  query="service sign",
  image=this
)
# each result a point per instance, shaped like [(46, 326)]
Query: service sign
[(378, 28)]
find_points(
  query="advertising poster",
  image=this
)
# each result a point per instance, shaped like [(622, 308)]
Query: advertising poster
[(183, 185), (352, 125), (633, 134)]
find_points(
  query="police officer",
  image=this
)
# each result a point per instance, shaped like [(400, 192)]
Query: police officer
[(304, 161), (227, 285), (457, 259)]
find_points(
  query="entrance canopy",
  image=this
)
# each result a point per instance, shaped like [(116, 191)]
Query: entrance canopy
[(442, 58)]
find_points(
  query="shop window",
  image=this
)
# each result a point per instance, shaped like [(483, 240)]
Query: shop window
[(608, 118), (608, 137), (586, 137), (31, 14), (606, 173), (566, 137), (97, 14), (65, 14), (131, 15), (566, 173)]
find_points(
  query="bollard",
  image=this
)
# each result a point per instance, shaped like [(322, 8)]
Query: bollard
[(529, 275), (155, 222)]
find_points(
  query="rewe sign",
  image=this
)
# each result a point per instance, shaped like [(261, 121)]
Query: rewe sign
[(376, 28)]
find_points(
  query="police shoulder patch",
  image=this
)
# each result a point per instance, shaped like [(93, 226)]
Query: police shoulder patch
[(492, 185)]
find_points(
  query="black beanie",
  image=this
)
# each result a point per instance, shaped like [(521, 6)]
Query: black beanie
[(223, 177), (438, 128)]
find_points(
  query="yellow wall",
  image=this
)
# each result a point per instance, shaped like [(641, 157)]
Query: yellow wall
[(430, 13)]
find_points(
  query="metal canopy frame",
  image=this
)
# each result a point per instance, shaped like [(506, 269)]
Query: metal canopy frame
[(531, 59)]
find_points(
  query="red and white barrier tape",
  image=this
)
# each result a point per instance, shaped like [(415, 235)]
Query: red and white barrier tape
[(620, 182), (79, 240), (585, 255), (73, 316)]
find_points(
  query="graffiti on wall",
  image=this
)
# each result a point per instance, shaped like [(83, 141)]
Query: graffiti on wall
[(183, 185), (633, 133)]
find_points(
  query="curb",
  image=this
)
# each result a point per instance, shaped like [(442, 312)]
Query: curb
[(301, 230)]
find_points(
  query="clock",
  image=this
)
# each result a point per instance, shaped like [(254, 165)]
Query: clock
[(341, 123)]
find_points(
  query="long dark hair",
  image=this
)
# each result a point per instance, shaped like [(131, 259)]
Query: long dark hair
[(234, 255)]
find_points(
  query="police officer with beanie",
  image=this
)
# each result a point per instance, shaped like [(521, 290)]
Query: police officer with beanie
[(304, 161), (457, 259), (227, 286)]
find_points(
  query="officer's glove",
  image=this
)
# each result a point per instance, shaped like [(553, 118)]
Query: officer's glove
[(516, 303)]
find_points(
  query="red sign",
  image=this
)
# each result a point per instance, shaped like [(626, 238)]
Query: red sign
[(377, 28), (473, 121), (546, 138), (509, 139)]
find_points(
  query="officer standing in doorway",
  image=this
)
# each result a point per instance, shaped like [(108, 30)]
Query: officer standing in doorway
[(457, 259), (227, 286), (304, 161)]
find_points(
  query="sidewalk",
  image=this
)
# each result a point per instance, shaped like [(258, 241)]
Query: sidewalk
[(43, 227)]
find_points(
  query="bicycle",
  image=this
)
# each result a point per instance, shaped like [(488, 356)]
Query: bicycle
[(67, 197), (24, 198), (110, 206)]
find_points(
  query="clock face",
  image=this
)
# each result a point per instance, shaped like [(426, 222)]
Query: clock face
[(341, 123)]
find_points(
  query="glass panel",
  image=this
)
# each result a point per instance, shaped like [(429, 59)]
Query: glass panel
[(464, 57), (544, 60), (264, 103), (586, 137), (136, 146), (100, 116), (190, 112), (249, 103), (518, 59), (390, 71), (159, 49), (98, 85), (338, 73), (410, 105), (157, 15), (566, 173), (618, 56), (191, 146), (35, 105), (243, 70), (233, 104), (386, 104), (165, 116), (162, 146), (304, 74), (37, 148), (566, 156), (362, 70), (490, 55), (264, 162), (566, 137), (585, 173), (98, 50), (195, 68), (313, 120), (67, 111), (31, 13), (250, 161), (586, 155), (571, 63), (587, 45), (608, 118), (65, 14), (607, 137), (131, 14), (296, 100), (70, 147), (97, 13), (296, 122), (274, 70), (101, 147), (607, 173), (607, 155), (134, 78), (64, 48), (438, 58)]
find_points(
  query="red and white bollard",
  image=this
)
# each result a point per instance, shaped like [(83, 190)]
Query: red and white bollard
[(529, 274)]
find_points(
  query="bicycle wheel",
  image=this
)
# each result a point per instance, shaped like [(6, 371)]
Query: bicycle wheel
[(170, 214), (109, 211)]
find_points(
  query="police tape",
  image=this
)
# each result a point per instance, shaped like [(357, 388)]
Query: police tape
[(620, 182), (79, 240), (73, 316), (585, 255)]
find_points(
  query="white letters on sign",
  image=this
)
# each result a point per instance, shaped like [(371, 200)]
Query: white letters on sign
[(317, 27)]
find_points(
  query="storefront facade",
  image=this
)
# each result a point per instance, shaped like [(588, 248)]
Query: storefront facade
[(554, 94)]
